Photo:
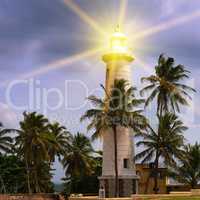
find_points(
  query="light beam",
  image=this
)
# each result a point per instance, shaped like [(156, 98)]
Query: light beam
[(83, 16), (58, 64), (167, 25), (122, 11)]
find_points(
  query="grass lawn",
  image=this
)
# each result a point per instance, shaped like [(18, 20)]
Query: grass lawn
[(174, 198)]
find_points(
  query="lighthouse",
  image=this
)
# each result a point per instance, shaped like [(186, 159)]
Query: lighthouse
[(118, 61)]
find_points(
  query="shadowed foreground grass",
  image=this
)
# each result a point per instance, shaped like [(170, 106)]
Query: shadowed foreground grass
[(173, 198)]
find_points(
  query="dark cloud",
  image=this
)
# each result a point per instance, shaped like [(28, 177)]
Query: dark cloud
[(49, 24), (54, 31)]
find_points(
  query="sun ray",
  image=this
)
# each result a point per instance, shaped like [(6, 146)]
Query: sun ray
[(83, 16), (58, 64), (122, 12), (167, 25)]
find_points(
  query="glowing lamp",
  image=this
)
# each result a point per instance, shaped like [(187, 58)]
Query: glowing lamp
[(119, 43), (118, 48)]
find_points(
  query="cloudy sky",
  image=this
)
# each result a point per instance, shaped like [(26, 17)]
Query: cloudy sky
[(48, 61)]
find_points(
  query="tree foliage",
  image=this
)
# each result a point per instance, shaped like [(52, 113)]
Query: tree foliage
[(5, 139), (78, 161), (167, 86), (118, 109), (12, 174), (37, 143), (165, 142), (188, 170)]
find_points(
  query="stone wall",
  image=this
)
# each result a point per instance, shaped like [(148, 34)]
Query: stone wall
[(146, 182), (4, 197), (31, 197)]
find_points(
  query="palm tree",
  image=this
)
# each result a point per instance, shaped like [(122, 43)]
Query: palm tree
[(165, 143), (61, 141), (78, 158), (32, 145), (188, 171), (166, 86), (5, 140), (118, 109)]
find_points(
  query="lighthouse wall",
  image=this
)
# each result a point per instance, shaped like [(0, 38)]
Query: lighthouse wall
[(125, 151), (118, 69)]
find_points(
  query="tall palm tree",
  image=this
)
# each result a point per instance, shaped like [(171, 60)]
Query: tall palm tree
[(188, 170), (32, 144), (78, 159), (166, 86), (61, 141), (119, 108), (5, 139), (165, 142)]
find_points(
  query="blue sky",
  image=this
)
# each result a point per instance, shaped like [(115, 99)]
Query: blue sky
[(36, 33)]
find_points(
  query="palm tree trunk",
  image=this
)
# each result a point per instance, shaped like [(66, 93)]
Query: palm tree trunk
[(160, 111), (37, 186), (194, 183), (116, 164), (3, 186), (156, 174), (28, 177)]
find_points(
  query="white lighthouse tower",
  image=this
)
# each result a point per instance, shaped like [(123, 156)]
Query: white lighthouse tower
[(118, 60)]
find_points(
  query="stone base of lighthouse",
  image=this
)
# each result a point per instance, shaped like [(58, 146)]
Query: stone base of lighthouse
[(127, 185)]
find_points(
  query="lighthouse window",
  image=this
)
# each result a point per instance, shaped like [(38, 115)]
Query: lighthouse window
[(125, 163)]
